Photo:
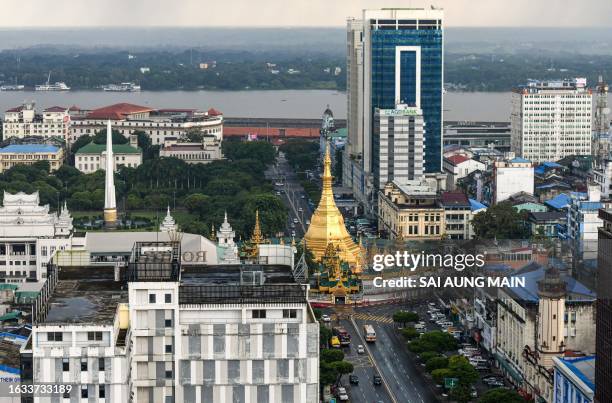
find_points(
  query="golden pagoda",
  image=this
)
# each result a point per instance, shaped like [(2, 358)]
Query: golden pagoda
[(327, 225), (251, 247)]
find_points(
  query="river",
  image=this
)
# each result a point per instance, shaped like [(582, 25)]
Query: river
[(482, 106)]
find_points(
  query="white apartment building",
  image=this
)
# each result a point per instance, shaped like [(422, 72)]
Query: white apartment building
[(552, 314), (551, 120), (29, 236), (23, 121), (157, 333), (158, 124), (398, 152), (602, 175), (510, 177)]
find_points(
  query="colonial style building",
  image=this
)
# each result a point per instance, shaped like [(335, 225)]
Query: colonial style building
[(552, 316), (410, 211), (156, 332), (208, 150), (158, 124), (29, 237), (23, 121), (28, 154), (92, 157)]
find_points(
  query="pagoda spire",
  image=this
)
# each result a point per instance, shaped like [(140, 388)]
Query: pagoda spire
[(110, 201), (257, 237)]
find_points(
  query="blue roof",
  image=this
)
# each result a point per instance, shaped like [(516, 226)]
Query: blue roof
[(576, 290), (587, 205), (552, 165), (558, 202), (539, 170), (583, 368), (476, 205), (29, 148), (519, 160), (552, 185)]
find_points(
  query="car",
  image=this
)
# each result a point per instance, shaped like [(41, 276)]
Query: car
[(377, 380), (360, 349), (354, 379), (300, 209), (343, 398), (325, 318), (295, 220), (292, 233), (302, 197), (341, 390), (278, 193)]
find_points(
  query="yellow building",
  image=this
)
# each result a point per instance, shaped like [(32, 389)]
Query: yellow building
[(411, 211), (327, 225), (28, 154)]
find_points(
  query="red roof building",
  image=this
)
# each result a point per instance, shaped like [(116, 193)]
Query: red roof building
[(120, 111), (457, 159), (56, 109)]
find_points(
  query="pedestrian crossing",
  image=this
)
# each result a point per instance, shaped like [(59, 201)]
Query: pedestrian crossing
[(373, 318)]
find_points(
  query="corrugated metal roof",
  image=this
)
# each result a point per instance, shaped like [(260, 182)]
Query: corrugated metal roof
[(29, 148)]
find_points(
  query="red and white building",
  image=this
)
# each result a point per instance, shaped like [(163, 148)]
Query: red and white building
[(23, 121), (159, 124), (459, 166)]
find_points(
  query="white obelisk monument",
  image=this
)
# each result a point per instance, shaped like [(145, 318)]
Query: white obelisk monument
[(110, 202)]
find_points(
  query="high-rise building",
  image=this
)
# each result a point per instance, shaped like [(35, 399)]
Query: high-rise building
[(603, 350), (397, 145), (551, 120), (394, 56)]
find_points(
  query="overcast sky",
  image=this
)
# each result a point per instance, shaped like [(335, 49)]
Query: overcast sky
[(71, 13)]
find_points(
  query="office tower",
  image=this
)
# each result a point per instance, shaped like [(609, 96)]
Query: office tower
[(394, 57), (551, 120), (397, 145), (603, 349)]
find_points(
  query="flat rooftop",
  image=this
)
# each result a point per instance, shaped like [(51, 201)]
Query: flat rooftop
[(85, 295)]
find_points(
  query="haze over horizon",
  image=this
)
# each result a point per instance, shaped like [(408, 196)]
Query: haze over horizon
[(276, 13)]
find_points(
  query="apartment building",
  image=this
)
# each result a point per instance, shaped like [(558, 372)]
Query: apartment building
[(511, 177), (28, 154), (551, 120), (156, 332), (23, 121)]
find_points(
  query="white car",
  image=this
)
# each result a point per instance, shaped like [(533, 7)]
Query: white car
[(295, 220), (325, 318), (360, 349)]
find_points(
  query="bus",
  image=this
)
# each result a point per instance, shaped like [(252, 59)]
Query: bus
[(342, 334), (369, 333)]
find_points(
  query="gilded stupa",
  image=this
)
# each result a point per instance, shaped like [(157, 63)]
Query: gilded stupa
[(327, 225), (251, 247)]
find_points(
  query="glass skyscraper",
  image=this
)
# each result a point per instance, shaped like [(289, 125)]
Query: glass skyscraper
[(406, 68)]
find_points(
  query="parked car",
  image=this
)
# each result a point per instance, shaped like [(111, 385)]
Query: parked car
[(377, 380), (354, 379), (360, 349), (325, 318), (335, 342)]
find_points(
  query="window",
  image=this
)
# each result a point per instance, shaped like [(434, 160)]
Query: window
[(151, 298), (168, 374), (84, 392), (259, 314), (65, 365), (94, 336), (290, 313), (168, 298), (168, 348), (83, 364), (102, 392), (168, 323), (101, 364), (54, 336)]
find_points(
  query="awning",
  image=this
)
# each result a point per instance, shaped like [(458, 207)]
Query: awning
[(508, 368), (10, 316)]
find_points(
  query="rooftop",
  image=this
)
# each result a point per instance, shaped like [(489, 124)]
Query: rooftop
[(93, 148), (455, 199), (559, 202), (476, 205), (56, 109), (85, 295), (457, 159), (576, 291), (547, 215), (582, 367), (29, 149), (117, 111)]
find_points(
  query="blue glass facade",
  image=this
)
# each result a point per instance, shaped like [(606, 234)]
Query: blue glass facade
[(384, 41)]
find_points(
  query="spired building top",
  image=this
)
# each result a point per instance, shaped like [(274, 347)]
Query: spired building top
[(110, 202), (327, 224), (22, 216), (168, 225)]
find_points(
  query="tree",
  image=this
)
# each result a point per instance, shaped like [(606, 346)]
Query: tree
[(436, 363), (331, 355), (501, 221), (410, 333), (462, 393), (404, 317), (427, 355), (325, 335), (439, 374), (342, 368), (118, 138), (433, 341), (501, 395), (257, 150), (463, 370)]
